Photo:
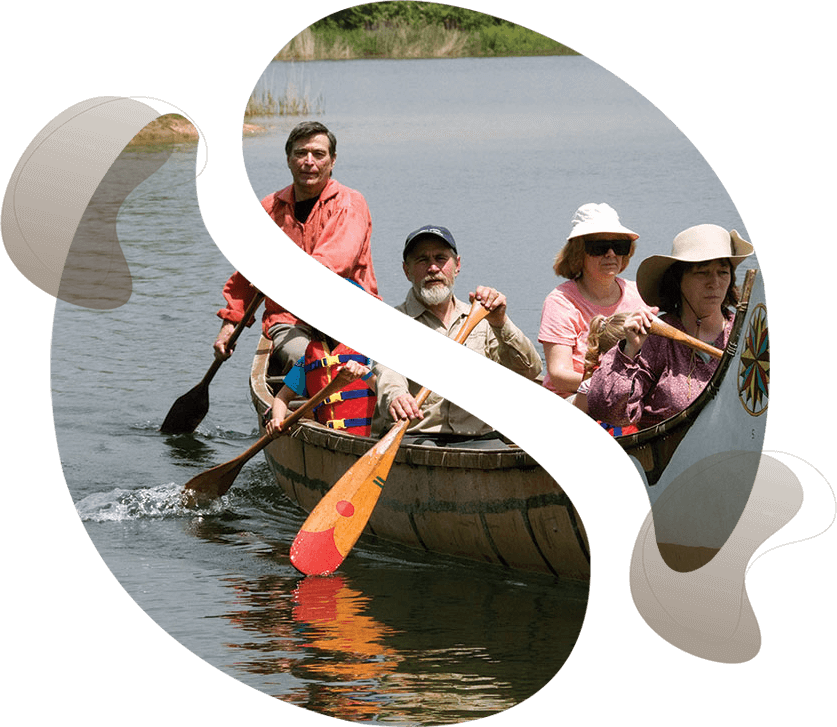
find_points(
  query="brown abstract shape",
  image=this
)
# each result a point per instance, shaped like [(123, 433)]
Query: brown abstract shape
[(706, 611), (60, 206), (698, 511)]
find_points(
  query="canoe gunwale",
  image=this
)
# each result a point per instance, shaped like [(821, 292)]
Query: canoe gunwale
[(673, 428), (314, 433)]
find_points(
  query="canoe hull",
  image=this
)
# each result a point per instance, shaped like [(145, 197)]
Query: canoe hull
[(501, 507), (497, 507)]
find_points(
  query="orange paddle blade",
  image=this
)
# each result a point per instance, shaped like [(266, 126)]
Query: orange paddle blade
[(334, 526)]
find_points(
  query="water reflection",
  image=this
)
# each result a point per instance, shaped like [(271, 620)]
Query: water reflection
[(360, 646)]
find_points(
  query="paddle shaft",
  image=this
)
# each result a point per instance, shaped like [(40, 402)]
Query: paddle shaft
[(189, 409), (240, 326), (237, 331), (216, 481), (659, 328), (335, 524), (475, 315), (337, 383)]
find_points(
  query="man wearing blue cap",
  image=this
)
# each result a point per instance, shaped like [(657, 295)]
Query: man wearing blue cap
[(431, 264)]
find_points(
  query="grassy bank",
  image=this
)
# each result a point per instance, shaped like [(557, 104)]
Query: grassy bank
[(415, 29), (398, 30), (395, 31), (167, 129)]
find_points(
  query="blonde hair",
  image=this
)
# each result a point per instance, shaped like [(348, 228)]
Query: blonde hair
[(605, 332), (569, 262)]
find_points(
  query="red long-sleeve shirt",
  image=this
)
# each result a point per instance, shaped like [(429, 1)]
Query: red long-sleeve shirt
[(337, 233)]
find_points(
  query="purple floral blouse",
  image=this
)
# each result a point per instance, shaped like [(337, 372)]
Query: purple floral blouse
[(662, 380)]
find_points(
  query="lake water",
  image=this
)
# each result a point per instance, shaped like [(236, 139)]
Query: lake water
[(502, 152)]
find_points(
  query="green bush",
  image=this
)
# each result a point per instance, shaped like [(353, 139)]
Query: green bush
[(376, 15), (513, 40)]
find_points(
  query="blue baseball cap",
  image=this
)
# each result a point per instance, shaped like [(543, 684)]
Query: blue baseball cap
[(441, 233)]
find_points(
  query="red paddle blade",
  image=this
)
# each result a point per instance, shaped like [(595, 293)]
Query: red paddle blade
[(336, 523), (316, 553)]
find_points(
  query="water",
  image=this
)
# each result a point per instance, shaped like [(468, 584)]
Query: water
[(500, 151)]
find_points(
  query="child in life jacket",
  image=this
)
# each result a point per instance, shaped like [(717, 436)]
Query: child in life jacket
[(350, 409), (605, 333)]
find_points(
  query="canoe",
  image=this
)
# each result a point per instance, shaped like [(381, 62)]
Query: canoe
[(699, 466), (496, 506)]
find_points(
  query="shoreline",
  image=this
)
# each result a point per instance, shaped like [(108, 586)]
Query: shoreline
[(310, 47), (176, 129)]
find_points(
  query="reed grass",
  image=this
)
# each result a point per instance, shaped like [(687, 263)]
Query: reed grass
[(396, 39), (296, 100), (400, 40)]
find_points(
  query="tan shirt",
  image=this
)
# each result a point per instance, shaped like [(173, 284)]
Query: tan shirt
[(507, 346)]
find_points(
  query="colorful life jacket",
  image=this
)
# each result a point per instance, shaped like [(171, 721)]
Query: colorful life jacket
[(351, 408)]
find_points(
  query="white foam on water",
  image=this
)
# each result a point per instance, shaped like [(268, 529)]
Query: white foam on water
[(120, 504)]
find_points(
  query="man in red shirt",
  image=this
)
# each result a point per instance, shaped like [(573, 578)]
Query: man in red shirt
[(326, 219)]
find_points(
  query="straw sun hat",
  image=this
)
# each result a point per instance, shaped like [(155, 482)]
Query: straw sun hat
[(595, 218), (697, 244)]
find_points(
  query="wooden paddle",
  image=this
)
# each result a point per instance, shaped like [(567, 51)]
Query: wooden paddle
[(190, 409), (216, 481), (659, 328), (338, 520)]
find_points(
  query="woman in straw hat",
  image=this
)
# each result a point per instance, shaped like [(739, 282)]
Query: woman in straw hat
[(643, 380), (597, 250)]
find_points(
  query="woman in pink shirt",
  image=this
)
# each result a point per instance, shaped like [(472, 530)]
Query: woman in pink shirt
[(598, 248), (644, 380)]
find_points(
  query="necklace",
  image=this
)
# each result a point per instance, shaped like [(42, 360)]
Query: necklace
[(694, 359)]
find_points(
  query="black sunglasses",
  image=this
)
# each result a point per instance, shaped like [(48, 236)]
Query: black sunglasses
[(597, 248)]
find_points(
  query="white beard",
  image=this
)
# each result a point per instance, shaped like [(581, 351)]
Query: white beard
[(435, 294)]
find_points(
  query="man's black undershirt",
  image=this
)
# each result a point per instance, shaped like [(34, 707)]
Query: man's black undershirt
[(303, 209)]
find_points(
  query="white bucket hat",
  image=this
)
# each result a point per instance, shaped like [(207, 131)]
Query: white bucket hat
[(594, 218), (700, 243)]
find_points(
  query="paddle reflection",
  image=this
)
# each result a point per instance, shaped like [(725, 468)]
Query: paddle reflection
[(403, 646), (336, 624)]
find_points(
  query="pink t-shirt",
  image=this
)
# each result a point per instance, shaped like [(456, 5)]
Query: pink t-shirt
[(566, 317)]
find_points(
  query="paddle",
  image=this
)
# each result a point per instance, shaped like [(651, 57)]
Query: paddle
[(190, 409), (216, 481), (659, 328), (337, 521)]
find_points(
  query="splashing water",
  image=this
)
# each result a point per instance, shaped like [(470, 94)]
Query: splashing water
[(149, 502)]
